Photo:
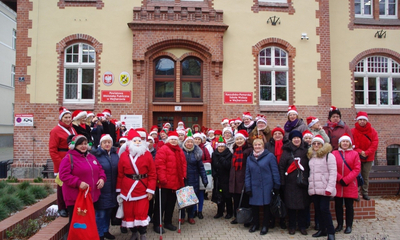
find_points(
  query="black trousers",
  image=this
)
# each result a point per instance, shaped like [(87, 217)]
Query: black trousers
[(321, 204), (300, 215), (229, 206), (255, 210), (236, 200), (348, 202), (168, 200)]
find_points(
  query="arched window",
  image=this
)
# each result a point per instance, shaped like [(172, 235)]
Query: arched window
[(393, 154), (191, 80), (164, 79), (273, 76), (377, 82), (79, 73)]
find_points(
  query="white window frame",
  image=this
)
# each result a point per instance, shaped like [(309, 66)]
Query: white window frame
[(363, 3), (12, 75), (79, 66), (14, 39), (386, 15), (387, 72), (272, 1), (273, 68)]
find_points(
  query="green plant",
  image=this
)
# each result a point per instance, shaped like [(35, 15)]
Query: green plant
[(3, 184), (24, 185), (24, 230), (38, 191), (38, 180), (3, 212), (49, 188), (11, 202), (12, 179), (10, 189), (26, 197)]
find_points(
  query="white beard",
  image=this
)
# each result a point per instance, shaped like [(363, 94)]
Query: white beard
[(137, 150)]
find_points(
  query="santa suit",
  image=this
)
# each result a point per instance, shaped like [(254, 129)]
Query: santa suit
[(134, 192)]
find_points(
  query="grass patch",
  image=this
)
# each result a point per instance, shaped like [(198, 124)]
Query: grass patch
[(12, 179), (49, 189), (11, 202), (26, 197), (3, 212), (10, 189), (38, 191), (3, 184), (24, 185)]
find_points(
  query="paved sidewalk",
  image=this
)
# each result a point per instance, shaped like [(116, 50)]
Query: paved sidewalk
[(385, 226)]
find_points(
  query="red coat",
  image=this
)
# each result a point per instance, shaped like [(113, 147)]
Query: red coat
[(167, 166), (349, 177), (58, 145), (159, 144), (362, 143), (133, 190)]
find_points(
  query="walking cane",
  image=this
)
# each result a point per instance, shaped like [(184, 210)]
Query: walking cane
[(159, 198)]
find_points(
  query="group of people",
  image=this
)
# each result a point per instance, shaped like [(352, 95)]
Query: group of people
[(304, 162)]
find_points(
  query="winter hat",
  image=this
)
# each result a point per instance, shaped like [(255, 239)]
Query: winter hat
[(292, 109), (311, 121), (90, 114), (319, 139), (99, 115), (346, 137), (307, 133), (218, 132), (261, 118), (229, 129), (165, 125), (106, 137), (62, 111), (181, 131), (295, 133), (243, 134), (334, 110), (224, 120), (279, 130), (172, 135), (210, 131), (150, 138), (123, 124), (238, 120), (132, 134), (362, 115), (197, 135), (154, 128), (182, 123), (153, 132), (189, 136), (231, 121), (203, 136), (221, 141), (142, 132), (294, 165), (123, 139), (75, 140), (247, 115), (107, 112), (78, 114)]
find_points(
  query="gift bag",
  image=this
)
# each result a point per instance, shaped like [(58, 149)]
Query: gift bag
[(209, 188), (186, 197), (120, 211), (83, 223)]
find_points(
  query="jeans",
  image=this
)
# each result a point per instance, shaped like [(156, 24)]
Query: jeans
[(103, 217), (365, 168), (200, 196), (321, 204), (348, 202)]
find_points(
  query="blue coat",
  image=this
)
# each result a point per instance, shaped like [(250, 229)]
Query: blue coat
[(262, 175), (195, 168), (108, 196)]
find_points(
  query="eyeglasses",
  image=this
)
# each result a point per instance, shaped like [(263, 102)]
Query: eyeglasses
[(316, 143)]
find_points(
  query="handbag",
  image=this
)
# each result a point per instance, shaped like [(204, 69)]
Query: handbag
[(186, 197), (216, 193), (300, 179), (278, 208), (360, 179), (243, 215), (209, 188), (83, 223), (58, 180)]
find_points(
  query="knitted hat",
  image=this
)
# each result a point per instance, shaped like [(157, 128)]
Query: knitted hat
[(62, 111), (307, 133), (224, 120), (132, 134), (311, 121), (107, 112), (78, 114), (76, 140), (292, 109), (277, 129), (106, 137), (247, 115), (189, 136), (243, 134), (218, 132), (229, 129), (319, 139), (346, 137), (362, 115), (295, 133), (172, 135), (221, 141), (334, 110)]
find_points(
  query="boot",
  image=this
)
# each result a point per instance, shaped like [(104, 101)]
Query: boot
[(134, 236), (143, 237), (339, 228), (320, 233), (108, 235), (264, 230), (347, 230), (331, 237)]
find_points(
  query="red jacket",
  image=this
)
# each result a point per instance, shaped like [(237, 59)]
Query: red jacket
[(58, 145), (343, 172), (167, 166), (335, 133), (362, 143)]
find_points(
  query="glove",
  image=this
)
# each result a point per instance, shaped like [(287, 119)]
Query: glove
[(327, 193), (249, 193), (343, 183)]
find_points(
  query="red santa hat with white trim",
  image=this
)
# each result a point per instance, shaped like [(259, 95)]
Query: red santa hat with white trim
[(229, 129), (242, 133), (142, 132), (247, 115), (105, 137), (90, 114), (346, 137), (165, 125), (132, 134), (62, 111), (107, 112), (173, 135), (238, 120), (261, 118), (294, 165), (311, 121), (292, 109), (318, 138), (362, 115), (224, 120), (78, 114), (307, 133), (150, 138), (231, 121)]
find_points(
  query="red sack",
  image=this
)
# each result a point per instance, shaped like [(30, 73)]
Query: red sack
[(83, 223)]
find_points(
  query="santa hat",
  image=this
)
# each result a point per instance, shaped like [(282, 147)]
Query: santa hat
[(247, 115), (150, 138), (346, 137), (307, 133), (123, 139), (62, 111), (154, 128), (78, 114), (165, 125), (132, 134), (243, 134), (117, 124), (229, 129), (197, 135), (189, 136), (203, 136), (362, 115), (224, 120), (231, 121), (77, 140), (334, 110), (107, 112), (142, 132), (318, 138), (294, 165), (173, 135), (123, 124), (210, 131), (99, 115), (277, 129), (218, 132), (261, 118), (292, 109), (90, 114), (311, 121), (153, 132), (106, 137), (181, 122), (221, 141), (238, 120)]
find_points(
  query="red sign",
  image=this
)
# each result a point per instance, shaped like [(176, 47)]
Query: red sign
[(238, 97), (116, 96)]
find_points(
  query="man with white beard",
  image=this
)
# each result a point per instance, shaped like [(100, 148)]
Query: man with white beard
[(136, 182)]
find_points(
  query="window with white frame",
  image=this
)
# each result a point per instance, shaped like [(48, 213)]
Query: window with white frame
[(393, 154), (272, 1), (79, 73), (377, 82), (12, 75), (273, 75), (363, 8), (388, 8), (14, 39)]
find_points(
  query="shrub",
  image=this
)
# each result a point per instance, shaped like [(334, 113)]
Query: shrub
[(3, 212), (11, 202), (24, 185), (38, 191), (26, 197), (12, 179), (10, 189), (38, 180), (24, 230), (3, 184)]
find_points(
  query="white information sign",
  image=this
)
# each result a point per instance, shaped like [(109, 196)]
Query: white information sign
[(132, 121), (23, 120)]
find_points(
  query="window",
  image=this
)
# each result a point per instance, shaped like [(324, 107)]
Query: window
[(377, 82), (392, 155), (164, 80), (363, 8), (79, 73), (12, 75), (191, 80), (272, 1), (388, 8), (14, 39), (273, 76)]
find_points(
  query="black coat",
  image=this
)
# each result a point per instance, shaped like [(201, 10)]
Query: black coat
[(221, 166), (236, 177), (249, 129), (84, 131), (109, 128), (295, 196)]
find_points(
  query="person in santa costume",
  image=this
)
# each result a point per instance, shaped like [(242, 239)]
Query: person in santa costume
[(136, 183), (58, 148)]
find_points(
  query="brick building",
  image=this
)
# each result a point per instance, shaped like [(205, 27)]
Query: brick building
[(202, 60)]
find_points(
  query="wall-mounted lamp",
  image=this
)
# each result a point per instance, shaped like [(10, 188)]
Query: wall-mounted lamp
[(380, 34), (304, 36), (274, 20)]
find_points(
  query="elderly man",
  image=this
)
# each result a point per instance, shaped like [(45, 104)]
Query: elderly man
[(365, 142)]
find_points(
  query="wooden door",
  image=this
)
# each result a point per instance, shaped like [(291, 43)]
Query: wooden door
[(189, 118)]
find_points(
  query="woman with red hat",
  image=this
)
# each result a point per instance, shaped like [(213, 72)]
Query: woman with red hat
[(261, 130), (335, 127), (80, 126), (294, 122)]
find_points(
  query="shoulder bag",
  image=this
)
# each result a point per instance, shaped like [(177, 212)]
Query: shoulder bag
[(277, 206)]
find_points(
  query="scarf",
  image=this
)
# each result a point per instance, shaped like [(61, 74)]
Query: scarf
[(68, 127), (332, 125), (257, 154), (278, 150), (290, 125), (364, 130), (247, 126), (176, 149), (83, 125), (237, 159)]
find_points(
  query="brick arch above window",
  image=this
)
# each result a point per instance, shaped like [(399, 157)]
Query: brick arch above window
[(371, 52)]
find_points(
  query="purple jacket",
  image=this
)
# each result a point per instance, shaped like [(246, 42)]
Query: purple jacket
[(86, 169)]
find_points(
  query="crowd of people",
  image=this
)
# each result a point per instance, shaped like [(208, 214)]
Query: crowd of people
[(304, 162)]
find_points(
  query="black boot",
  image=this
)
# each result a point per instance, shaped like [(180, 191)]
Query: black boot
[(320, 233), (264, 230), (331, 237), (108, 235), (254, 228), (339, 228), (347, 230)]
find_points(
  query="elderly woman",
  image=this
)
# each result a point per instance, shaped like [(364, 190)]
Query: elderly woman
[(74, 169), (348, 167), (163, 139), (322, 184), (262, 176), (294, 122), (294, 159), (248, 124), (335, 128), (228, 137), (261, 130), (108, 158), (241, 150)]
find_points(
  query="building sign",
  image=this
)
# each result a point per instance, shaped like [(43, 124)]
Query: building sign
[(23, 120), (124, 78), (132, 121), (108, 78), (116, 96), (238, 97)]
